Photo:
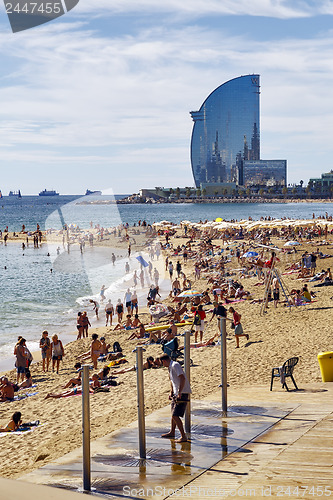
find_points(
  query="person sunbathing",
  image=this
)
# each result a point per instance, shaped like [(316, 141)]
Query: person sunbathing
[(147, 365), (27, 382), (94, 384), (75, 380), (138, 334), (14, 423), (127, 325), (6, 390)]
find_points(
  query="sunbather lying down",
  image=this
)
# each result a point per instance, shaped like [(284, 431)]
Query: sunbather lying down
[(209, 342), (14, 423), (94, 384), (149, 363)]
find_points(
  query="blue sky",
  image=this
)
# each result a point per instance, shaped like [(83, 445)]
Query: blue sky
[(100, 98)]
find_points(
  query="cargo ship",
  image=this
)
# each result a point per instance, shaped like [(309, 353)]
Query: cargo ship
[(88, 192), (48, 193), (15, 193)]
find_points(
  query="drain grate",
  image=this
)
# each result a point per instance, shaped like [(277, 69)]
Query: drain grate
[(207, 412), (155, 457), (211, 430)]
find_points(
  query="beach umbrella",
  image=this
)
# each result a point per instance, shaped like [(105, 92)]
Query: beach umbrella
[(250, 254), (291, 243), (219, 219), (142, 261), (189, 293)]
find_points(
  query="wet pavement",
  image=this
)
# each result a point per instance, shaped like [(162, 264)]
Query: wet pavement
[(117, 470)]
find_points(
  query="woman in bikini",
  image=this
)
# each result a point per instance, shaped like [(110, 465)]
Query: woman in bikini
[(14, 423)]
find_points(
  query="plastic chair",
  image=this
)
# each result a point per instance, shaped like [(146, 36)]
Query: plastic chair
[(286, 370)]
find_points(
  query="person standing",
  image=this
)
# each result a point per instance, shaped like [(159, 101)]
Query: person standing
[(95, 349), (21, 359), (178, 268), (119, 310), (199, 322), (237, 325), (134, 302), (85, 323), (170, 269), (276, 291), (109, 311), (179, 396), (79, 325), (220, 312), (128, 300), (57, 352), (156, 276), (45, 346)]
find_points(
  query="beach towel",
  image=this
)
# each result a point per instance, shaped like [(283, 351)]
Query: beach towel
[(23, 430)]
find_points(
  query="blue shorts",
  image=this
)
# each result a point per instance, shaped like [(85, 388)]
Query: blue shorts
[(20, 369)]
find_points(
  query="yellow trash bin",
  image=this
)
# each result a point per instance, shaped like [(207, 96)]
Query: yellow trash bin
[(325, 360)]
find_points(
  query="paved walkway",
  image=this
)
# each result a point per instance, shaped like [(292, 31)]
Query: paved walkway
[(271, 444)]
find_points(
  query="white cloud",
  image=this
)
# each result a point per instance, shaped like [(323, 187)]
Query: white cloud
[(283, 9), (75, 99)]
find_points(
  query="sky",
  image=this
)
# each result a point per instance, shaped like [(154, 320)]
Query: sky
[(100, 98)]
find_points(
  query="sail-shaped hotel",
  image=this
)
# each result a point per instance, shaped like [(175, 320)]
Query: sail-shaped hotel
[(225, 144)]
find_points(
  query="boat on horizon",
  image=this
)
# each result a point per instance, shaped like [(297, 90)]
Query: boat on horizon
[(15, 193), (48, 193), (88, 192)]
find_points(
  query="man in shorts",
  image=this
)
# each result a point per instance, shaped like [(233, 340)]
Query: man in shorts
[(179, 396)]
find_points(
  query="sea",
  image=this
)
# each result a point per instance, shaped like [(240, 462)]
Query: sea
[(44, 288)]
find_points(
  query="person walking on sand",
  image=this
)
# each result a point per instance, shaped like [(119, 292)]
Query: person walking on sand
[(179, 396), (109, 312), (45, 346), (237, 325), (57, 352)]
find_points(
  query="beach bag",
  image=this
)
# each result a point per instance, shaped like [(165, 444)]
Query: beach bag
[(116, 347), (197, 320), (238, 329)]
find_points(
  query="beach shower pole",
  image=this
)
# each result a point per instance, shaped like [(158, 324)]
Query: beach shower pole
[(141, 402), (187, 364), (86, 428), (223, 330)]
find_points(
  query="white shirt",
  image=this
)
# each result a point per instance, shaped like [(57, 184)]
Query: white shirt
[(175, 371)]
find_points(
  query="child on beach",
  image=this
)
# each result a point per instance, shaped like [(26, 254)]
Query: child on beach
[(237, 324)]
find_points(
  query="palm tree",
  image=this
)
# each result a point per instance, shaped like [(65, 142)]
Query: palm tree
[(188, 192), (178, 192), (284, 191), (204, 192), (198, 192)]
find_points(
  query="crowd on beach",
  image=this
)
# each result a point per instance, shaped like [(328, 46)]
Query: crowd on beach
[(208, 271)]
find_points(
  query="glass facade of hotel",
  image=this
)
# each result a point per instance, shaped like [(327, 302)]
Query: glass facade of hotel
[(226, 131), (264, 173)]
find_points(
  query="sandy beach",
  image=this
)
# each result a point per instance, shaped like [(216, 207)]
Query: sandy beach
[(275, 336)]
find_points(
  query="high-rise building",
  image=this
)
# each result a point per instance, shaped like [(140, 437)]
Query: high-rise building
[(226, 131)]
